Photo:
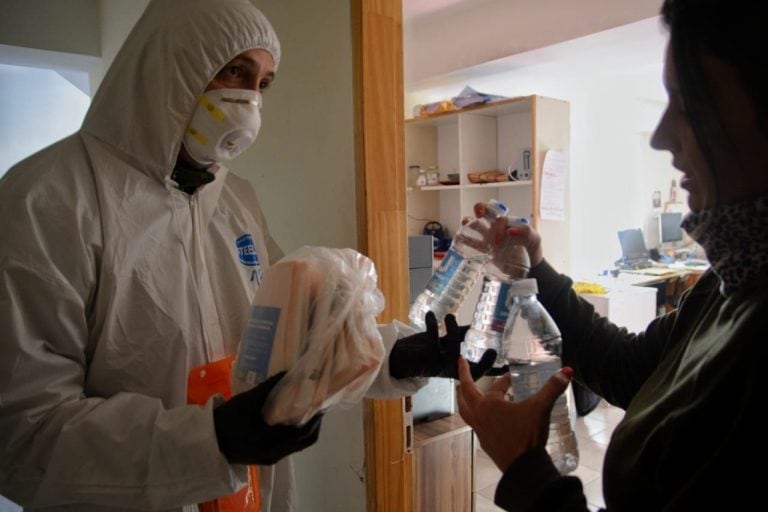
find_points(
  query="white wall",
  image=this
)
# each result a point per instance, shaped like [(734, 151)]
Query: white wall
[(613, 81), (38, 23), (116, 19), (52, 61), (302, 164), (39, 108)]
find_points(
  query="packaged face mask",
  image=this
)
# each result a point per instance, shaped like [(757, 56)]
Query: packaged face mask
[(224, 124), (314, 315)]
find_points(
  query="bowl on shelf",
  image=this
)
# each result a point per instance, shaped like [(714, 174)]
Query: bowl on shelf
[(450, 179), (487, 177)]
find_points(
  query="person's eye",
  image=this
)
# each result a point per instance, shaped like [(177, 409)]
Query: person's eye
[(234, 71), (264, 84)]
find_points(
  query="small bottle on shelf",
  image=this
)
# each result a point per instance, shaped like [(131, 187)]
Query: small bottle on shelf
[(433, 176), (413, 175)]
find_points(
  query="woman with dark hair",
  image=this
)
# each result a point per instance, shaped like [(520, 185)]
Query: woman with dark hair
[(691, 383)]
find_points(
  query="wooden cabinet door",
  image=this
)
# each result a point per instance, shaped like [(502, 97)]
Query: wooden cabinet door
[(443, 466)]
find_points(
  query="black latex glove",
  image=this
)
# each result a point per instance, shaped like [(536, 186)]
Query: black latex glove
[(426, 354), (244, 437)]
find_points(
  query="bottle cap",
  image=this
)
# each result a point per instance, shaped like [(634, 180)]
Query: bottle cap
[(524, 287), (516, 221), (498, 207)]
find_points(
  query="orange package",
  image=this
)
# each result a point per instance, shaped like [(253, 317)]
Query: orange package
[(204, 382)]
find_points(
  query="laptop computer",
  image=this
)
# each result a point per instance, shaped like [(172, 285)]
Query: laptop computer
[(634, 253)]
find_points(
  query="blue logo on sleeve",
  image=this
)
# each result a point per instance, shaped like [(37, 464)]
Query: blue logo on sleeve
[(246, 251)]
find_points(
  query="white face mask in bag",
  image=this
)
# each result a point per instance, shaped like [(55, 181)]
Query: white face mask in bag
[(224, 124)]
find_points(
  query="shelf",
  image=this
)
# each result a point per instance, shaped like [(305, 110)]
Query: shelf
[(441, 187), (519, 183), (496, 108), (516, 133), (435, 430), (497, 184)]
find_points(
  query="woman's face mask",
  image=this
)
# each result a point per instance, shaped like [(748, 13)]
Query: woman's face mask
[(224, 123)]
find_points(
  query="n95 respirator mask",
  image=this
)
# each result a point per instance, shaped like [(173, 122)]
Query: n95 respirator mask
[(224, 123)]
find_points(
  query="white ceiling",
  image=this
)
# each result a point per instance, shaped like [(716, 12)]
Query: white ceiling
[(637, 48), (623, 48), (414, 8)]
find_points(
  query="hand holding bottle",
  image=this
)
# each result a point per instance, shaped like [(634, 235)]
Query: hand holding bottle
[(480, 233), (508, 263), (525, 235), (508, 429), (460, 268)]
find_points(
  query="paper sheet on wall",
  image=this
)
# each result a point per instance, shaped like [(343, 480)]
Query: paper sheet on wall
[(553, 186)]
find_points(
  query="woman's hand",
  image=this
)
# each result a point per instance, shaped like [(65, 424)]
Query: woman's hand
[(524, 235), (508, 429)]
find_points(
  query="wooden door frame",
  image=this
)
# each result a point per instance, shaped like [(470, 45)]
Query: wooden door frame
[(381, 220)]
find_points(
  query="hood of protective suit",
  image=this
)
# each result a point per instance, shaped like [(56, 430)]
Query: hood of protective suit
[(149, 93)]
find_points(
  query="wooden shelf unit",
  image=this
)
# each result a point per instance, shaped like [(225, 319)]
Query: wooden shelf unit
[(484, 138)]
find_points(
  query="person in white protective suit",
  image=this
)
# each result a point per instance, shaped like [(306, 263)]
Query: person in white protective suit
[(129, 256)]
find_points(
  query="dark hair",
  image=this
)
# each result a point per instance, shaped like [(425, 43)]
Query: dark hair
[(733, 31)]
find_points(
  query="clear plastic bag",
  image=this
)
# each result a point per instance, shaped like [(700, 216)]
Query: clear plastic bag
[(314, 315)]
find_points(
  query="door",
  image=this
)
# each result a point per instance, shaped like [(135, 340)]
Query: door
[(380, 177)]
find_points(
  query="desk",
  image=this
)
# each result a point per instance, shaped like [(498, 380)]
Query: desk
[(632, 307), (670, 281), (662, 273)]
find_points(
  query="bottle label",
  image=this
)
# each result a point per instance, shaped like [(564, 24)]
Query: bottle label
[(442, 276), (501, 310), (257, 342)]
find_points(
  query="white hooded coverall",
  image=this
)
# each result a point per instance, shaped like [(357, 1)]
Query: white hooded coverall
[(114, 284)]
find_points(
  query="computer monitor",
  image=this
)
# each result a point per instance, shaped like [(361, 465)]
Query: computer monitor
[(669, 227)]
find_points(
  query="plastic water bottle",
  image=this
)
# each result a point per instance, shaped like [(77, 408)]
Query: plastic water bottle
[(509, 262), (460, 268), (532, 346)]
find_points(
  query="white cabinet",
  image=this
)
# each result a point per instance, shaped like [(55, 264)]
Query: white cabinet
[(492, 137), (632, 307)]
